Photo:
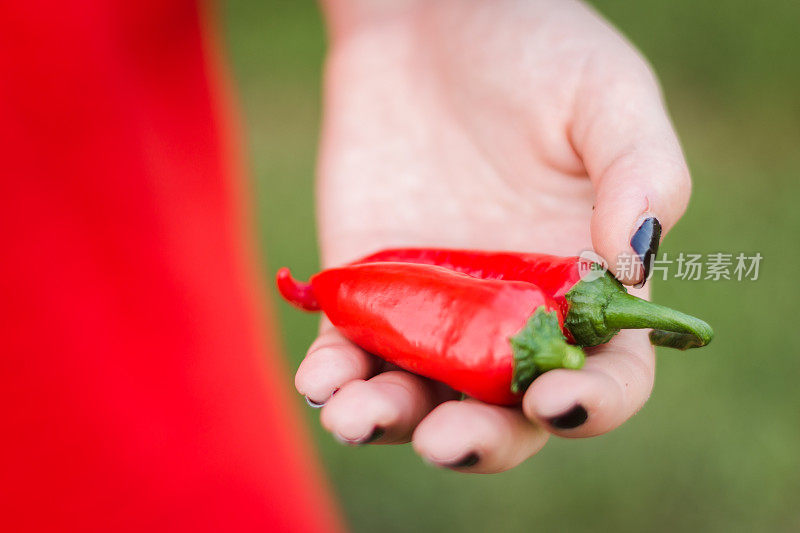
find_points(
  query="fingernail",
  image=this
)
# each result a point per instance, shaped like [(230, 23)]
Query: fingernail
[(645, 243), (376, 434), (317, 405), (314, 404), (471, 459), (570, 419)]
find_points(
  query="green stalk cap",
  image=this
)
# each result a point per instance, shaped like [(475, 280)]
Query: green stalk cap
[(541, 346)]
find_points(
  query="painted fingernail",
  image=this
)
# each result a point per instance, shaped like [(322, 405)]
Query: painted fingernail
[(377, 433), (570, 419), (645, 243), (314, 404), (471, 459)]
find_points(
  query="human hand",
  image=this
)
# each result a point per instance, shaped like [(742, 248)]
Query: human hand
[(528, 126)]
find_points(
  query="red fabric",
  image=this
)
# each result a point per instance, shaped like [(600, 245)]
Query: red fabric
[(138, 390)]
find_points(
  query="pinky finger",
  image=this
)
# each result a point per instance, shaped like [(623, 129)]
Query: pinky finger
[(332, 361)]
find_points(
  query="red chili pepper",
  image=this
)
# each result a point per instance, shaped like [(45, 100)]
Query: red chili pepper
[(486, 338), (595, 308)]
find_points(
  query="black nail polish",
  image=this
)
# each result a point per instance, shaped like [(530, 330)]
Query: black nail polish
[(471, 459), (645, 243), (377, 433), (571, 419), (312, 403)]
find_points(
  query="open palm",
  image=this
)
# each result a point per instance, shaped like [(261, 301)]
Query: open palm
[(528, 126)]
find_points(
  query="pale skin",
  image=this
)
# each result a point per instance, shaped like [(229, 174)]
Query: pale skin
[(517, 125)]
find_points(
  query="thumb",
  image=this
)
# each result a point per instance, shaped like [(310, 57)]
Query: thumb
[(633, 157)]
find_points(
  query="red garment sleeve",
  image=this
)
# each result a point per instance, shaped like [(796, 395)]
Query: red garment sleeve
[(140, 388)]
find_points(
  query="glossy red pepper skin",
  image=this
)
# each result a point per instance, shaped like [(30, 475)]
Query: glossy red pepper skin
[(430, 320), (595, 308), (553, 274)]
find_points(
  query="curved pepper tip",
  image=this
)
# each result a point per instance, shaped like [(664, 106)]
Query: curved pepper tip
[(297, 293), (683, 341)]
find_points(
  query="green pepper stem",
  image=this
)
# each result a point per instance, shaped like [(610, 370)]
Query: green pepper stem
[(671, 328), (539, 347), (600, 307)]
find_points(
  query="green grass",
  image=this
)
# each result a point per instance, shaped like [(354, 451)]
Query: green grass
[(717, 447)]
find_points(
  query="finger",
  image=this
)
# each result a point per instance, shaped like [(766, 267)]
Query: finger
[(612, 386), (331, 362), (471, 436), (630, 150), (383, 410)]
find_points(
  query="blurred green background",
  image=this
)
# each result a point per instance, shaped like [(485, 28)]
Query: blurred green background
[(717, 447)]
